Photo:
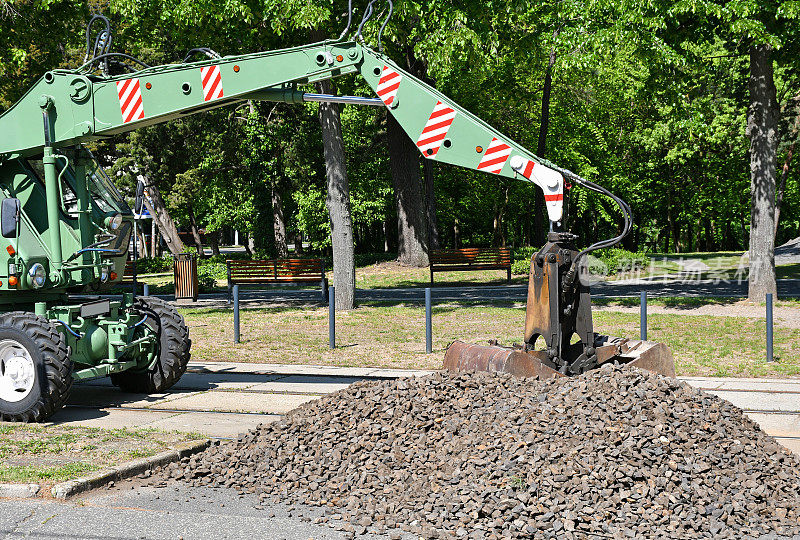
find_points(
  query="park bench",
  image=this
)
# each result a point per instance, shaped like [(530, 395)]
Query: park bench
[(266, 272), (467, 259)]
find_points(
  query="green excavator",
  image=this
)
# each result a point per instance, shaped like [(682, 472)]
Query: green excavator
[(66, 229)]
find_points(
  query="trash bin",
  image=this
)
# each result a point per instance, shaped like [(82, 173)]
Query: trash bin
[(185, 271)]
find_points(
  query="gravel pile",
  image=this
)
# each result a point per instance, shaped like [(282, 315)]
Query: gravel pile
[(615, 453)]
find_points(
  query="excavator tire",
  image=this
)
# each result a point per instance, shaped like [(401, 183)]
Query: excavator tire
[(173, 349), (35, 367)]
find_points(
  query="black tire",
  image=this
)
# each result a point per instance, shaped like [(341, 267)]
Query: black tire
[(52, 366), (173, 349)]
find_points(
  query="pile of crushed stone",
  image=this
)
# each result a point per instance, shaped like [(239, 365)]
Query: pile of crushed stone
[(617, 452)]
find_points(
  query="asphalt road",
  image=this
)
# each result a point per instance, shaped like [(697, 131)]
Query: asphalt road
[(169, 513)]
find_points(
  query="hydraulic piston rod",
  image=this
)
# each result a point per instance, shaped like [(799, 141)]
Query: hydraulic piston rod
[(291, 95), (344, 100)]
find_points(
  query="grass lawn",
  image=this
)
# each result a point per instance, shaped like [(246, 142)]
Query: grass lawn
[(53, 453), (394, 336)]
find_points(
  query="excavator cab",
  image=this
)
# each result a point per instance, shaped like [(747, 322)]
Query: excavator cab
[(95, 224)]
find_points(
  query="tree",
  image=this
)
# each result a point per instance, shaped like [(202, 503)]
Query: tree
[(412, 219), (762, 123), (338, 202)]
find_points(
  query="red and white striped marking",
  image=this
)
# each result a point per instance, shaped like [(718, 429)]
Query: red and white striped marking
[(551, 182), (388, 85), (495, 157), (130, 100), (435, 130), (212, 82)]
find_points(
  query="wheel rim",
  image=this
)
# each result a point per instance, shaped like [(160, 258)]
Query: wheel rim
[(17, 371)]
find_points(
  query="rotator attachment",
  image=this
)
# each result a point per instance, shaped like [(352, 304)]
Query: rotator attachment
[(559, 311)]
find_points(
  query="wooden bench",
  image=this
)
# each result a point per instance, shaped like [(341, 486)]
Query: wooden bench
[(277, 271), (468, 259)]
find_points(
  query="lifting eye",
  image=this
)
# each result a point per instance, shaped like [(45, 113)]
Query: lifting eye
[(236, 69), (447, 143), (479, 149), (376, 71), (148, 86), (186, 87)]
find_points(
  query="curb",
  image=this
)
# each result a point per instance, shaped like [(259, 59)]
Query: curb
[(19, 491), (70, 488)]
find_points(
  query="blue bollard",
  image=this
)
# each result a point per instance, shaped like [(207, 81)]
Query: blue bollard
[(643, 315), (146, 289), (236, 314), (332, 317), (428, 322), (770, 356)]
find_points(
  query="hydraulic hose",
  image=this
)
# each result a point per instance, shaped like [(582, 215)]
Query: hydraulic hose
[(626, 215)]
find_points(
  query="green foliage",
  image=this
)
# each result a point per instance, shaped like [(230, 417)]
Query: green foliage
[(619, 260), (521, 259), (155, 264), (209, 273), (649, 99)]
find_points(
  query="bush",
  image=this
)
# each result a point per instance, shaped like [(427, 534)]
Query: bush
[(621, 260), (601, 262), (521, 260), (208, 273), (154, 265)]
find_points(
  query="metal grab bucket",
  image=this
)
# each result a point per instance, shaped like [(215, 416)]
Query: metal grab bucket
[(185, 274)]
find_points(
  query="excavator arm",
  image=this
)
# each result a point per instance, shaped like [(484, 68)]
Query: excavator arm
[(88, 107)]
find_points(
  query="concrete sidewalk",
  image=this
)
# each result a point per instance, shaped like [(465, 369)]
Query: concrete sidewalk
[(223, 399)]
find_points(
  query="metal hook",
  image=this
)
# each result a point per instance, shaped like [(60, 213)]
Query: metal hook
[(349, 18)]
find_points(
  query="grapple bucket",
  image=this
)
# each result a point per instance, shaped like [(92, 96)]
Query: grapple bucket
[(461, 356), (559, 311)]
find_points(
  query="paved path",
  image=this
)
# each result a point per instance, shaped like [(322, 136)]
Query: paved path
[(607, 289), (223, 399)]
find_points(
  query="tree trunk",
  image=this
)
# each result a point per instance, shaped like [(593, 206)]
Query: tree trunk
[(198, 241), (153, 237), (457, 234), (338, 202), (298, 243), (785, 170), (281, 247), (213, 239), (155, 205), (762, 123), (412, 230), (498, 232), (430, 205)]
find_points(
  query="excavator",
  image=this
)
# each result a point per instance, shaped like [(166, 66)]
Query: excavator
[(66, 229)]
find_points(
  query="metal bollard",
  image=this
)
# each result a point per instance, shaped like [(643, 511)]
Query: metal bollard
[(428, 322), (332, 317), (236, 314), (643, 315), (145, 289), (770, 356)]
